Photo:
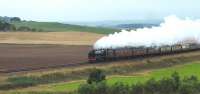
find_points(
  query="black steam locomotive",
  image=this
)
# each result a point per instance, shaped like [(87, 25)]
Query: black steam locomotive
[(133, 52)]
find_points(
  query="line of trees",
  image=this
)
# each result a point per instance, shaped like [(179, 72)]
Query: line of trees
[(10, 19), (167, 85), (5, 26), (5, 23)]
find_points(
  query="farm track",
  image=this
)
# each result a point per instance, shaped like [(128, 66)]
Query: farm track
[(18, 58)]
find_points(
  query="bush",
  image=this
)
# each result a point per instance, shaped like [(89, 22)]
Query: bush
[(86, 89), (24, 28), (95, 88), (119, 88), (101, 88), (166, 85), (151, 86), (137, 89), (189, 85), (95, 76)]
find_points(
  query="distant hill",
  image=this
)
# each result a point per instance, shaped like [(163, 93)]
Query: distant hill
[(135, 26), (55, 26), (101, 27), (115, 23)]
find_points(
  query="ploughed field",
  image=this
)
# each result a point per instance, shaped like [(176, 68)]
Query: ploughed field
[(27, 57)]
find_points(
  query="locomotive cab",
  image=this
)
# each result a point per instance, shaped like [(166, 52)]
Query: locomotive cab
[(96, 55), (91, 56)]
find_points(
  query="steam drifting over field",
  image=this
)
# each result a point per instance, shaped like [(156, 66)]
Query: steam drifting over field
[(173, 30)]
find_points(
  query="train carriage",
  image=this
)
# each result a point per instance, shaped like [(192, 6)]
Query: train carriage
[(153, 50), (139, 51), (121, 53), (128, 52), (194, 46), (176, 48), (110, 54), (165, 49), (185, 47)]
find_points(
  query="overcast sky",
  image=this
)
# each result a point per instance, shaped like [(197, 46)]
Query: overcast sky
[(98, 10)]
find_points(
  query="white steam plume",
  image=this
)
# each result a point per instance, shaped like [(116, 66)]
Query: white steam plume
[(173, 30)]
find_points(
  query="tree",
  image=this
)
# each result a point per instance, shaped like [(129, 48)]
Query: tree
[(13, 27), (4, 26), (15, 19), (95, 76)]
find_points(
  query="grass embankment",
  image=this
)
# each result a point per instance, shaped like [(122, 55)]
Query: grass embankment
[(54, 26), (66, 38), (140, 70), (183, 70)]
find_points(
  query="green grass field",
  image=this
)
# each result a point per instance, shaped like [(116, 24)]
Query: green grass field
[(54, 26), (183, 70)]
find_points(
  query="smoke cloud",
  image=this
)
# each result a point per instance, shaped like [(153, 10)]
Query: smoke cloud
[(173, 30)]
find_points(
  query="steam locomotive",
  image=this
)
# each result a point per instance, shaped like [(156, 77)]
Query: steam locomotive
[(101, 55)]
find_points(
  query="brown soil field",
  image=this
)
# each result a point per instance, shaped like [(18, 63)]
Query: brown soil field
[(66, 38), (15, 57)]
